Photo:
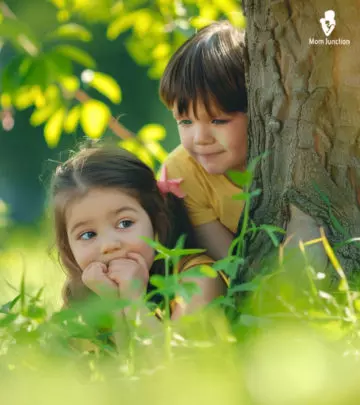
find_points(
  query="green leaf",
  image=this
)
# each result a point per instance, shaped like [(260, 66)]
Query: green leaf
[(252, 165), (37, 73), (157, 281), (22, 291), (77, 55), (240, 178), (94, 118), (244, 287), (152, 132), (53, 128), (200, 272), (157, 246), (187, 290), (10, 318), (106, 85), (59, 66), (255, 193), (71, 31), (6, 308), (241, 196), (186, 252), (11, 78)]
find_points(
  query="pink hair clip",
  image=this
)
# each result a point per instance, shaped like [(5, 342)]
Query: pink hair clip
[(169, 186)]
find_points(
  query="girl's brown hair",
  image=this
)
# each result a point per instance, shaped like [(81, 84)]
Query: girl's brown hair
[(104, 167), (207, 68)]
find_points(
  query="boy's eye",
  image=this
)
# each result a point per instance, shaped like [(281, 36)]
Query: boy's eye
[(184, 122), (125, 223), (219, 122), (87, 235)]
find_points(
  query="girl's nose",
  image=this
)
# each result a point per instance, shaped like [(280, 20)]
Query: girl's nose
[(110, 244)]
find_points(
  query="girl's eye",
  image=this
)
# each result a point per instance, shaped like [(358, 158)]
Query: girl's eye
[(125, 223), (219, 122), (184, 122), (87, 235)]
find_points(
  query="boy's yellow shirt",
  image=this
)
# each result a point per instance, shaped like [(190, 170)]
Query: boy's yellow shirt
[(208, 196)]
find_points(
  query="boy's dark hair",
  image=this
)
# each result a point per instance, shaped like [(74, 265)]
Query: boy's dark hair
[(103, 167), (207, 68)]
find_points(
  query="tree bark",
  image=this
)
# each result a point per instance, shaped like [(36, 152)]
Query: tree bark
[(304, 107)]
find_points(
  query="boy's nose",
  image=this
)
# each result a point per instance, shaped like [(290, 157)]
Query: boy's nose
[(203, 136)]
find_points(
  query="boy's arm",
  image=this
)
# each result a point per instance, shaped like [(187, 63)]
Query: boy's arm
[(211, 288), (215, 238)]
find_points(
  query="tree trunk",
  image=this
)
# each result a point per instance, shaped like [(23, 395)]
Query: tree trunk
[(304, 107)]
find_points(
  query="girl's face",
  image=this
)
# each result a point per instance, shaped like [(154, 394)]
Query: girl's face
[(107, 224)]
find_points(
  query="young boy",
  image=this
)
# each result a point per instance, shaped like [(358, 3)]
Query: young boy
[(204, 86)]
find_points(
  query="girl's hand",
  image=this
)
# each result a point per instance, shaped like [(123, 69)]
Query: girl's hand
[(130, 274), (95, 277)]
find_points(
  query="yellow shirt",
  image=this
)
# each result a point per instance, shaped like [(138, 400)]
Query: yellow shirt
[(208, 196)]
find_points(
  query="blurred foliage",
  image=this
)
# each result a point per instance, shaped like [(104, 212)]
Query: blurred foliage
[(4, 221), (44, 74), (294, 341)]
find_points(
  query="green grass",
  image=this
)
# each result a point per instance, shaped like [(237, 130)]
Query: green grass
[(290, 341)]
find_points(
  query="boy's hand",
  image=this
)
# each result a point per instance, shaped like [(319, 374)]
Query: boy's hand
[(130, 274), (95, 277)]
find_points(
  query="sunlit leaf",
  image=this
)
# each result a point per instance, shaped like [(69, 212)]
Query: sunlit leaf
[(131, 145), (237, 19), (72, 119), (120, 25), (77, 55), (157, 151), (5, 100), (161, 50), (200, 22), (53, 128), (59, 3), (23, 98), (145, 157), (72, 31), (40, 115), (94, 118), (106, 85), (63, 16), (143, 22), (152, 132), (70, 83)]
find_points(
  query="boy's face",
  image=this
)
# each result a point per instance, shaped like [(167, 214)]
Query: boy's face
[(218, 142)]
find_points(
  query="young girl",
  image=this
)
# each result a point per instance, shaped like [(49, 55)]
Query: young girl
[(105, 200)]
